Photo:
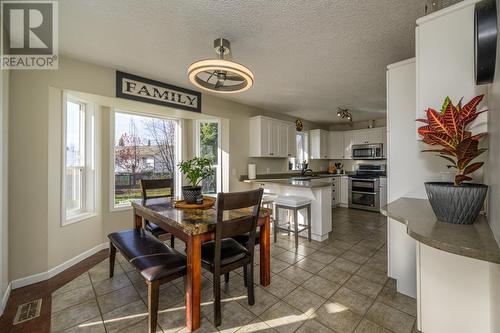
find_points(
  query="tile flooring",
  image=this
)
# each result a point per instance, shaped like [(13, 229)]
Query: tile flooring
[(339, 285)]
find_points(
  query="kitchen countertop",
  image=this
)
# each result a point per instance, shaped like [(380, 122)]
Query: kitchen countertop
[(284, 176), (293, 182), (473, 241)]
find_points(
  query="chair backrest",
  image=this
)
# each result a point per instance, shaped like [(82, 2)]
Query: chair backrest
[(155, 184), (240, 225)]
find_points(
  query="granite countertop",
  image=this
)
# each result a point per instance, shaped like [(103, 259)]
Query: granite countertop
[(282, 176), (473, 241), (318, 183), (190, 221)]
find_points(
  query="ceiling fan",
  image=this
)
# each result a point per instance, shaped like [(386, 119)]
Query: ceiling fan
[(344, 113), (220, 75)]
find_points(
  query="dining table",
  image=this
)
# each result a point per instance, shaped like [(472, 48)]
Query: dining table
[(194, 227)]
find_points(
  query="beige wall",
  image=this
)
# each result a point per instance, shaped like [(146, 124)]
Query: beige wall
[(4, 216), (346, 126), (37, 240)]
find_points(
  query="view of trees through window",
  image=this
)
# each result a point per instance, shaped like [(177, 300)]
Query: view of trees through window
[(208, 143), (145, 147)]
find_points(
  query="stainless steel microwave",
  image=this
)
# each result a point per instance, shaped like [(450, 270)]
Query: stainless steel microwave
[(372, 151)]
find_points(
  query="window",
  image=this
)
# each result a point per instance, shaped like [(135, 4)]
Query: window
[(78, 160), (295, 163), (144, 147), (208, 145)]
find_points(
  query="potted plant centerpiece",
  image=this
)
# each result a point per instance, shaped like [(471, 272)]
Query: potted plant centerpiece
[(461, 201), (195, 169)]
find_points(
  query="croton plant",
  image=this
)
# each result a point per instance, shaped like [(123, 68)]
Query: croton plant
[(449, 129)]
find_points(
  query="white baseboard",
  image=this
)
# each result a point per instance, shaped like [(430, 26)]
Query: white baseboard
[(5, 298), (25, 281)]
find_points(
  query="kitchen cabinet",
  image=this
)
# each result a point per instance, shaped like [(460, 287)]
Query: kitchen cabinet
[(336, 145), (336, 193), (318, 141), (271, 138), (369, 135), (348, 142), (344, 191), (291, 140), (282, 134), (364, 136)]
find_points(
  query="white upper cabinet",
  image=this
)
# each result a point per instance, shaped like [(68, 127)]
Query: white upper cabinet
[(318, 141), (271, 138), (370, 135), (336, 145), (291, 140), (282, 139), (348, 142)]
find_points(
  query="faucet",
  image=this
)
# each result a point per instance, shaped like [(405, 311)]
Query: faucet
[(305, 170)]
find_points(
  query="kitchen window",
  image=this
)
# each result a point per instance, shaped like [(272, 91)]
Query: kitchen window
[(79, 175), (146, 147), (302, 142), (207, 140)]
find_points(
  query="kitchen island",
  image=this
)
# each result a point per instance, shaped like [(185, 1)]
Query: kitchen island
[(318, 189)]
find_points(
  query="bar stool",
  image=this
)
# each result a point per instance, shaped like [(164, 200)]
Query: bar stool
[(295, 204)]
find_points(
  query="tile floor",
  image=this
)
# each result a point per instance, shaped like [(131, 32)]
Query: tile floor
[(339, 285)]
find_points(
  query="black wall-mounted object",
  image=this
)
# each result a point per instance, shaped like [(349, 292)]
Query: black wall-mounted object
[(141, 89), (486, 31)]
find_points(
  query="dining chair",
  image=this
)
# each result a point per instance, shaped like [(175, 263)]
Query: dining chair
[(157, 263), (224, 254), (149, 190)]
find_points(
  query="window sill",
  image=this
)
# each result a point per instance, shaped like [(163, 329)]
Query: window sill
[(78, 218), (120, 208)]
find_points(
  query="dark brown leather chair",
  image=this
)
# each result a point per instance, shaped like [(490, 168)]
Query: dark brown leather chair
[(224, 254), (156, 262), (151, 185)]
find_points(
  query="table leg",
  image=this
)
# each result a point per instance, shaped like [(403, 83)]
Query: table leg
[(265, 252), (137, 221), (193, 282)]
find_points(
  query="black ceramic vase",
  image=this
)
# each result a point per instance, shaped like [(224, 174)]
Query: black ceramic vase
[(191, 193), (456, 204)]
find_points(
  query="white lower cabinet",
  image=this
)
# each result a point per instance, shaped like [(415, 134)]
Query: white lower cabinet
[(344, 191)]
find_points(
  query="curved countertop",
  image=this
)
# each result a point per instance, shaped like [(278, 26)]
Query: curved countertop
[(293, 182), (473, 241)]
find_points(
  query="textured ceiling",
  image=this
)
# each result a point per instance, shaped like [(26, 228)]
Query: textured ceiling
[(308, 57)]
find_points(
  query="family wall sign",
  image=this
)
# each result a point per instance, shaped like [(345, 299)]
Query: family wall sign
[(138, 88)]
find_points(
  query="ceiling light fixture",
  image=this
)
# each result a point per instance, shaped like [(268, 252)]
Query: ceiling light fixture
[(220, 75), (344, 114)]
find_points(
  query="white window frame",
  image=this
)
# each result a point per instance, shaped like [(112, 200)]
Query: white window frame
[(178, 152), (219, 150), (89, 168)]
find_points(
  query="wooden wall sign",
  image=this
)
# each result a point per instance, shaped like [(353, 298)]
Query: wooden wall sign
[(137, 88)]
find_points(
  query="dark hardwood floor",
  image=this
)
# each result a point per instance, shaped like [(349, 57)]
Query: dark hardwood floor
[(43, 290)]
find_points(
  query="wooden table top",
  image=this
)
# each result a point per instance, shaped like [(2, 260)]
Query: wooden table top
[(190, 221)]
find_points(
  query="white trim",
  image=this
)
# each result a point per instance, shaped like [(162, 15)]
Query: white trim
[(446, 11), (25, 281), (219, 166), (401, 64), (90, 164), (78, 218), (5, 298)]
